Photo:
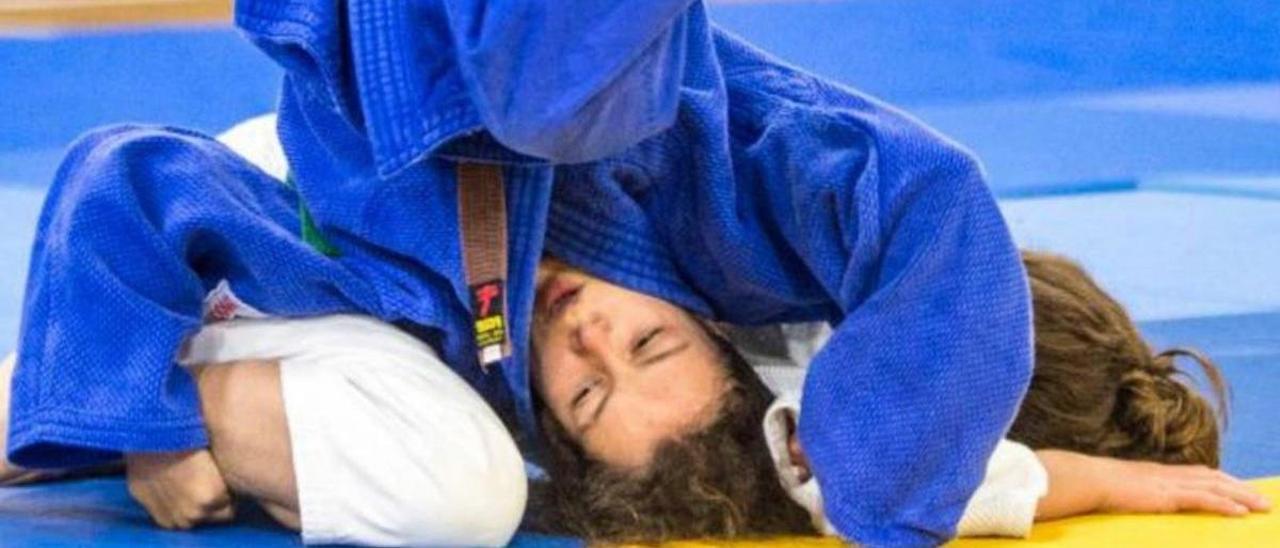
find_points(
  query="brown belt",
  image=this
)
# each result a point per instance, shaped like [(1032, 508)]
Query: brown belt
[(482, 210)]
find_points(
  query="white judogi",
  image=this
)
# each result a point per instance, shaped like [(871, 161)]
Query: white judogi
[(390, 446), (1004, 504)]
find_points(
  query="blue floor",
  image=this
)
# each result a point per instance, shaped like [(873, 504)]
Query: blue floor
[(1247, 348), (1142, 140), (99, 512), (1167, 253), (1197, 262)]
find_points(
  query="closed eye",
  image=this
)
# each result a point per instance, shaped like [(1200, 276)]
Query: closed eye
[(582, 393), (645, 339), (585, 404)]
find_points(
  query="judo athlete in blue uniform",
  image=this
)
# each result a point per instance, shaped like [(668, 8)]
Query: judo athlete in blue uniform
[(637, 142)]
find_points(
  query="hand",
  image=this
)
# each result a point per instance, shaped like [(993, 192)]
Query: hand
[(179, 490), (1082, 484), (1147, 487)]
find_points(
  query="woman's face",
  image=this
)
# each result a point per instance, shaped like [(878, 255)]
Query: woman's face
[(619, 370)]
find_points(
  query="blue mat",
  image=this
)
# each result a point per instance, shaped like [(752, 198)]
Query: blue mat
[(99, 512), (1177, 248), (1046, 92), (1032, 147), (18, 212), (56, 86), (1247, 348), (930, 52)]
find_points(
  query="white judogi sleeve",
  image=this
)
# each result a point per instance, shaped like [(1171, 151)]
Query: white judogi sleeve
[(390, 446), (1003, 505)]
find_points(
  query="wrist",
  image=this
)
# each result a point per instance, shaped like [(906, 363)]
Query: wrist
[(153, 461), (1098, 475), (1078, 484)]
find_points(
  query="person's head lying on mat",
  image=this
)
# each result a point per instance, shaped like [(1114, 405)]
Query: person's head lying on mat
[(654, 419)]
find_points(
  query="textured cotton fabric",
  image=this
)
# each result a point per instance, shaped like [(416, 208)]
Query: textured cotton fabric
[(719, 179), (1004, 504), (777, 197), (391, 447)]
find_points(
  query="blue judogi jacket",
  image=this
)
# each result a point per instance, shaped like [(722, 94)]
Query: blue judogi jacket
[(639, 142)]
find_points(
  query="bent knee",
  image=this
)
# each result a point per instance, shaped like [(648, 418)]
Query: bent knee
[(393, 447), (473, 492)]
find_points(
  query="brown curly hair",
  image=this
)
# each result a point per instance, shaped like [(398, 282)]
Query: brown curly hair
[(718, 482), (1097, 388)]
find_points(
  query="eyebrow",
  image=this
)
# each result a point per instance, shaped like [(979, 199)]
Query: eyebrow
[(674, 351), (671, 352), (595, 415)]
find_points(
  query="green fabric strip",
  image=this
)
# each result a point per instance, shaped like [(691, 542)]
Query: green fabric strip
[(311, 233)]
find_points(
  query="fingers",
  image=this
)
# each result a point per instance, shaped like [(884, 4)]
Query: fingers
[(216, 509), (169, 517), (1202, 500), (1250, 496), (1204, 489), (189, 512), (1238, 492), (1152, 487), (179, 490), (222, 514), (181, 509), (160, 514)]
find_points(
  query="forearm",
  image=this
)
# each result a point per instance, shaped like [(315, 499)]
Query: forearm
[(953, 335), (244, 412), (1082, 484), (1073, 485)]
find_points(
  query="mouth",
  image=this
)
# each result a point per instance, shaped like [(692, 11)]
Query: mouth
[(556, 295)]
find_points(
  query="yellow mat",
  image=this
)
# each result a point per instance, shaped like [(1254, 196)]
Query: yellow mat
[(1166, 531)]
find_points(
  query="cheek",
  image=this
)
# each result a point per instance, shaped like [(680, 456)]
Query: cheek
[(685, 395), (623, 440), (551, 369)]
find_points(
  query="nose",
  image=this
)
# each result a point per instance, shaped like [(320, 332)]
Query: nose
[(592, 335)]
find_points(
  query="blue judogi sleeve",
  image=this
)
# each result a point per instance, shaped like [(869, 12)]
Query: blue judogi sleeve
[(138, 225), (782, 197)]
